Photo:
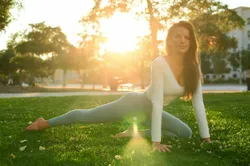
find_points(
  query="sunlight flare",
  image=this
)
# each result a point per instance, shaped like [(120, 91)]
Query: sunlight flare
[(138, 147), (122, 32)]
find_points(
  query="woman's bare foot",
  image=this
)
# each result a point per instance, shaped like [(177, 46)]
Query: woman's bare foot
[(123, 134), (39, 124), (127, 133)]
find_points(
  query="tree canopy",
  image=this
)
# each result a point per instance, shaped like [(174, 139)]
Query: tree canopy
[(5, 11)]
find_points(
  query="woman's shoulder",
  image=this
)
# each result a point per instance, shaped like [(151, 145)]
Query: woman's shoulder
[(159, 60)]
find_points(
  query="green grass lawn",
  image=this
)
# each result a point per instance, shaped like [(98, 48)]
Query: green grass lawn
[(228, 117)]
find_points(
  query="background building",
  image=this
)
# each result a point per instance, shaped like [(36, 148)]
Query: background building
[(243, 38), (243, 35)]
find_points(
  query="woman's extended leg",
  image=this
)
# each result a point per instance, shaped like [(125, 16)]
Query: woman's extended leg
[(128, 105)]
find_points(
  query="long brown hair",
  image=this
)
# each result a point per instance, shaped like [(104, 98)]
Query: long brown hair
[(191, 72)]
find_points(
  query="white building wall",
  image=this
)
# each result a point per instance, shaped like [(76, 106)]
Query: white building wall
[(242, 35)]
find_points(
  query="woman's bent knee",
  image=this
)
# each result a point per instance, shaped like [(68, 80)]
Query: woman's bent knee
[(189, 133), (186, 133)]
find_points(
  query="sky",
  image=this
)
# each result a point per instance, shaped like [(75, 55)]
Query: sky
[(66, 14)]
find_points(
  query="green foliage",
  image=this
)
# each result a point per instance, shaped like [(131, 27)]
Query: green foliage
[(218, 61), (29, 46), (42, 39), (5, 16), (6, 67), (227, 114), (219, 65), (234, 59), (246, 59), (205, 63), (211, 21), (35, 66), (106, 10)]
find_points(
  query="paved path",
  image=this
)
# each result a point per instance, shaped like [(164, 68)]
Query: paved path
[(206, 89), (45, 94)]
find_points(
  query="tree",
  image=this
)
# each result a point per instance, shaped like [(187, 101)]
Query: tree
[(154, 27), (206, 63), (64, 61), (99, 11), (219, 65), (32, 67), (246, 66), (5, 7), (211, 21), (91, 40), (145, 51), (88, 54), (151, 13), (6, 67), (234, 59), (246, 59), (42, 40), (208, 18)]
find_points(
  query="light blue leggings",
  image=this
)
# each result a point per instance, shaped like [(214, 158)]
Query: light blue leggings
[(129, 105)]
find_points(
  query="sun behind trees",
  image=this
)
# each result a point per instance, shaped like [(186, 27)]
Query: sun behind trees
[(124, 29)]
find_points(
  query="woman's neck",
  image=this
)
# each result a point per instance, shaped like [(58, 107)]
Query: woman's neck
[(177, 59)]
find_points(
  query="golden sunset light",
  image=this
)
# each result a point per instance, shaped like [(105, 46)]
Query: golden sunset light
[(125, 82), (122, 32)]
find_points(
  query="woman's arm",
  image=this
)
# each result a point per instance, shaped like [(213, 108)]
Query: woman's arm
[(157, 99), (197, 101)]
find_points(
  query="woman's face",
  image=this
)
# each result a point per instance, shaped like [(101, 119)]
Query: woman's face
[(180, 40)]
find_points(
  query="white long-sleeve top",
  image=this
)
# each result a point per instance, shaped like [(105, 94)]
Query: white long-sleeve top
[(164, 86)]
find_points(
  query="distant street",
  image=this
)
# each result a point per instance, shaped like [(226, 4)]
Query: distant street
[(219, 87), (206, 89)]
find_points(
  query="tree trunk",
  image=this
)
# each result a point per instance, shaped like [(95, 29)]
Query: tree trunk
[(154, 29), (78, 72), (64, 76), (32, 80), (20, 77), (142, 75), (248, 80), (82, 78), (105, 82)]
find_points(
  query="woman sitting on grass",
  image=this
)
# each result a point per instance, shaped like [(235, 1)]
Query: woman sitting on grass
[(175, 75)]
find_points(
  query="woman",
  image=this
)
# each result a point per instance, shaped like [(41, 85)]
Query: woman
[(174, 75)]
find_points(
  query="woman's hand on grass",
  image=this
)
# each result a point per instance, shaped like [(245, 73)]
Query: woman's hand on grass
[(157, 146)]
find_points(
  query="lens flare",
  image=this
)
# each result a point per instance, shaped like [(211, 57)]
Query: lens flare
[(138, 150)]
